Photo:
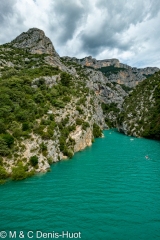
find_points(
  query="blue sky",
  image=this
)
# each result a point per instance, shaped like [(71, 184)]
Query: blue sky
[(104, 29)]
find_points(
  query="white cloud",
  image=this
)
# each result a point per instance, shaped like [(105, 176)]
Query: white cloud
[(123, 29)]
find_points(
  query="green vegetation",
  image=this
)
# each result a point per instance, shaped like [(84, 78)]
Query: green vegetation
[(107, 71), (32, 109), (24, 101), (4, 150), (3, 173), (79, 121), (85, 125), (34, 161), (110, 124), (109, 107), (79, 109), (66, 147), (97, 132), (65, 79), (20, 172), (141, 109), (125, 88)]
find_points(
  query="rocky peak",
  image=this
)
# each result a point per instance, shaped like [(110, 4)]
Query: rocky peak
[(35, 41)]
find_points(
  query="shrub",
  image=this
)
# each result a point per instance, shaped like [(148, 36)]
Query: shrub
[(109, 107), (68, 153), (4, 150), (66, 99), (8, 139), (41, 82), (3, 173), (85, 125), (2, 127), (72, 128), (64, 121), (39, 129), (79, 121), (34, 161), (45, 121), (58, 103), (62, 142), (97, 132), (81, 101), (54, 92), (80, 110), (47, 135), (25, 126), (126, 88), (19, 172), (109, 123), (39, 98), (71, 142), (50, 161), (1, 161), (65, 79), (43, 147), (17, 133)]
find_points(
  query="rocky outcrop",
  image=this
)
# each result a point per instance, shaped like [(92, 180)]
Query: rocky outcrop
[(35, 41), (124, 74), (49, 81), (92, 62), (106, 92), (82, 138), (131, 77), (104, 89)]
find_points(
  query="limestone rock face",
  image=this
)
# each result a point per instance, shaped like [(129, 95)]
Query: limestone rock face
[(140, 116), (35, 41), (82, 138), (132, 76), (105, 90), (126, 75)]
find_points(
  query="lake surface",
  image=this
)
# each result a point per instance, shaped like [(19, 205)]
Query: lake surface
[(108, 191)]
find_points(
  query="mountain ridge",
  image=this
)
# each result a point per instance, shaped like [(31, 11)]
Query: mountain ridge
[(124, 74)]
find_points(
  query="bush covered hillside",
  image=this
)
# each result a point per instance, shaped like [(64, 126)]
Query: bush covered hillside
[(140, 115), (46, 114)]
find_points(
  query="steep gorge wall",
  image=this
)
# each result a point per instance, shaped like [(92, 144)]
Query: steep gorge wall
[(126, 75)]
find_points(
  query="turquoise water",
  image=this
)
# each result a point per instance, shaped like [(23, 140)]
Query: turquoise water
[(108, 191)]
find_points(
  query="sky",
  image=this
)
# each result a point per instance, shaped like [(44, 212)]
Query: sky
[(128, 30)]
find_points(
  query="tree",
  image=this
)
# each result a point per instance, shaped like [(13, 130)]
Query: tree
[(3, 147), (3, 173), (97, 132), (25, 126), (19, 172), (8, 139), (2, 127), (65, 79), (34, 160)]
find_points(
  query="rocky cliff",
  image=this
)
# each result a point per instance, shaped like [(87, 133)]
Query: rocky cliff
[(110, 95), (35, 41), (47, 111), (115, 71), (140, 114)]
